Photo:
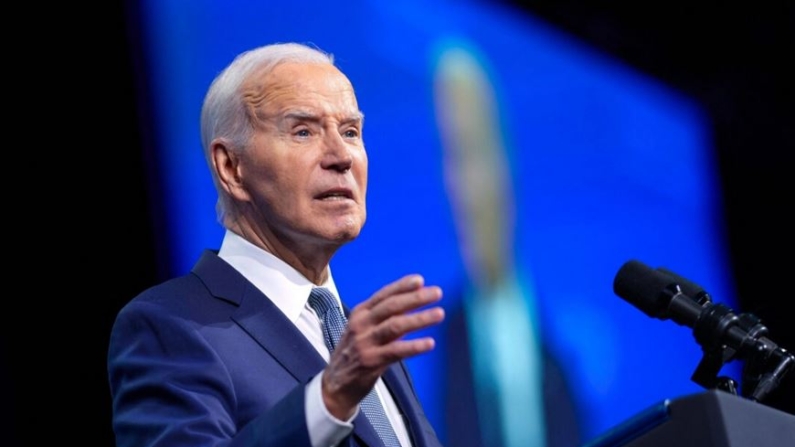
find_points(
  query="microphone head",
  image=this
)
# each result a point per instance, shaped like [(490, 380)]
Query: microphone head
[(645, 288)]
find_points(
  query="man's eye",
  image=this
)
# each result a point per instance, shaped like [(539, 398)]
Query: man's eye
[(351, 133), (302, 133)]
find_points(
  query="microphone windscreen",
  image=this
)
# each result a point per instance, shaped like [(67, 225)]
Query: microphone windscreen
[(644, 288)]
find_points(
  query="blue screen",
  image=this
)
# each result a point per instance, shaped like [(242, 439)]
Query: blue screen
[(493, 139)]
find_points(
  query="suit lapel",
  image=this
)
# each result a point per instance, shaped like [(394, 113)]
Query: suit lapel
[(260, 318), (397, 380)]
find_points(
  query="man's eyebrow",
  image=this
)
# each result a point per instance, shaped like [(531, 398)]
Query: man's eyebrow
[(357, 117), (298, 115)]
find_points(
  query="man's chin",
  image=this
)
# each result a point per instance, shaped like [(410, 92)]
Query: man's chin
[(346, 235), (338, 230)]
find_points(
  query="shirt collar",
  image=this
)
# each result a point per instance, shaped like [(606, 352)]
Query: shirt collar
[(281, 283)]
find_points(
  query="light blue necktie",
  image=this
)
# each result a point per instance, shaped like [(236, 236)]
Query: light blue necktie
[(334, 323)]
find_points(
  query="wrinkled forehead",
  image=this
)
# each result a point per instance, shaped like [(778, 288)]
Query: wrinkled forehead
[(312, 87)]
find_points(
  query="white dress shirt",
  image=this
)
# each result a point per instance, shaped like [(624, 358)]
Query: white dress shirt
[(289, 290)]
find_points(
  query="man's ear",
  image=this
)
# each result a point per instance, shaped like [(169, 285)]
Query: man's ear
[(226, 163)]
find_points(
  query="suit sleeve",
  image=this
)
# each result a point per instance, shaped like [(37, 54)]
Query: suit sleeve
[(170, 388)]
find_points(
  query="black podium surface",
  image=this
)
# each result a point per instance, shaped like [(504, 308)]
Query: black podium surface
[(709, 419)]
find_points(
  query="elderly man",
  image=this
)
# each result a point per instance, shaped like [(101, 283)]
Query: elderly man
[(253, 347)]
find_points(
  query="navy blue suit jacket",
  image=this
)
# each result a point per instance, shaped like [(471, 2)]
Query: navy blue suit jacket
[(206, 359)]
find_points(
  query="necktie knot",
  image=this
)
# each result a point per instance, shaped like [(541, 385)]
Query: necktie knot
[(325, 305), (322, 301)]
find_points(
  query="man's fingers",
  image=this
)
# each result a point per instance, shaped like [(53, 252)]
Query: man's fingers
[(404, 302), (403, 349), (405, 284), (399, 325)]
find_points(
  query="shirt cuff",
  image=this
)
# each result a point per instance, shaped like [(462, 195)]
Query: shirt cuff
[(325, 430)]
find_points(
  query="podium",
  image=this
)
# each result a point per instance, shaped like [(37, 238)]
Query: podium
[(711, 418)]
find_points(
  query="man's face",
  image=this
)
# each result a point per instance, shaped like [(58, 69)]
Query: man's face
[(306, 169)]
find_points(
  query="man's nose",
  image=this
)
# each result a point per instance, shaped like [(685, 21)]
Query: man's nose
[(337, 152)]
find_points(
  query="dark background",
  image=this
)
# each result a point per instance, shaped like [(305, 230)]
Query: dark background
[(80, 145)]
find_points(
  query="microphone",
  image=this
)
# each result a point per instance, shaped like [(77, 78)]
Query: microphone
[(655, 293), (660, 295), (723, 335)]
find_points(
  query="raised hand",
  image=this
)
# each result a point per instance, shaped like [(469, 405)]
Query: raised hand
[(374, 339)]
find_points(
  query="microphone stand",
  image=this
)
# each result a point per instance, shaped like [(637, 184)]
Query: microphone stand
[(724, 337)]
